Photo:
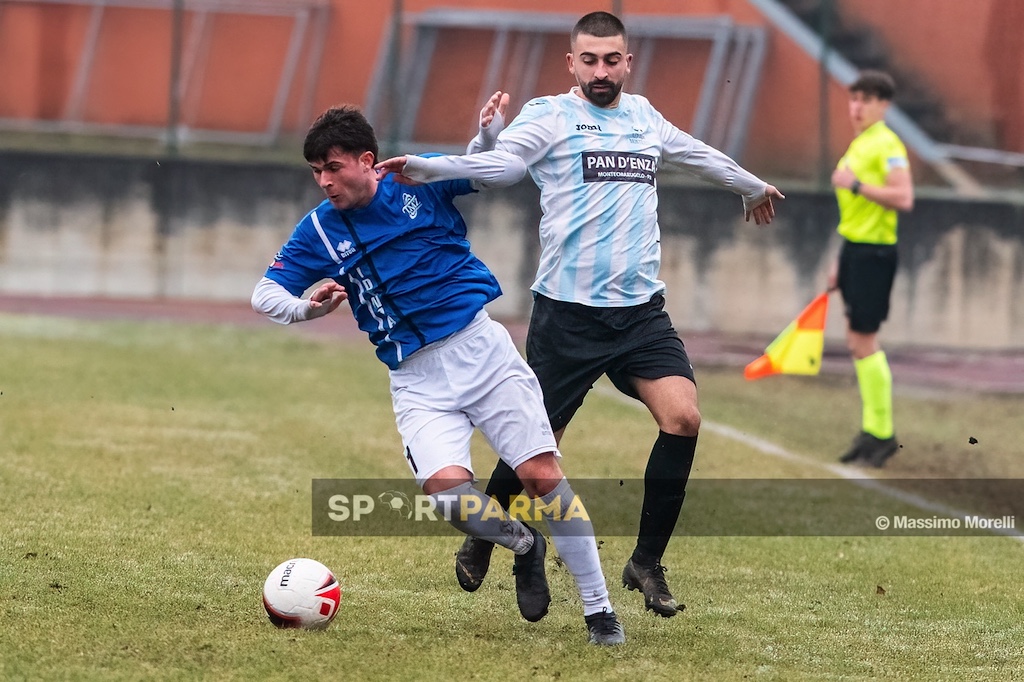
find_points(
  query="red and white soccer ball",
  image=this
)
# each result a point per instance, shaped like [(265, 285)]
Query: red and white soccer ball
[(301, 593)]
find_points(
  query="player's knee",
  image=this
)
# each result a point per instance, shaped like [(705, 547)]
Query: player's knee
[(540, 474), (684, 421), (446, 479)]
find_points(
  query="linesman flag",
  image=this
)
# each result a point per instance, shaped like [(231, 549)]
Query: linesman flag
[(797, 350)]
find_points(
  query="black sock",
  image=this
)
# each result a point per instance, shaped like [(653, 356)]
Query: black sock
[(668, 470), (504, 485)]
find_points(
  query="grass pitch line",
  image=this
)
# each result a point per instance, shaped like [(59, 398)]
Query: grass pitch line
[(859, 477)]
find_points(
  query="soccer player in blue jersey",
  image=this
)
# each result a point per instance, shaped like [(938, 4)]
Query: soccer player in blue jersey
[(399, 255), (598, 303)]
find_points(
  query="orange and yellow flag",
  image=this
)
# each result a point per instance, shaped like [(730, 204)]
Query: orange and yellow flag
[(798, 349)]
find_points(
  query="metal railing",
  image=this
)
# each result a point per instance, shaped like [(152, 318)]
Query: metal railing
[(721, 116), (189, 47)]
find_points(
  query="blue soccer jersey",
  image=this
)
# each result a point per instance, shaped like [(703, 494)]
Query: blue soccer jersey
[(403, 259)]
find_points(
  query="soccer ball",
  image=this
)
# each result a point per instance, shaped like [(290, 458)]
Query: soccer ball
[(396, 502), (301, 593)]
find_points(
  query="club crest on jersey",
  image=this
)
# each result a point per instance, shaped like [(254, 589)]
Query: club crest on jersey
[(412, 205)]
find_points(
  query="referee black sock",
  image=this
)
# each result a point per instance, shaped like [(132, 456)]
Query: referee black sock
[(668, 470), (504, 485)]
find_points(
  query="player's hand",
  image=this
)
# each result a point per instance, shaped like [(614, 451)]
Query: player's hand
[(495, 108), (395, 166), (326, 298), (764, 212)]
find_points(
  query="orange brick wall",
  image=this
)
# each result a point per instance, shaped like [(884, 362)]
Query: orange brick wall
[(971, 53), (40, 47)]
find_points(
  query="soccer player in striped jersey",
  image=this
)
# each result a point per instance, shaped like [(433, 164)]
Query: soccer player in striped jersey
[(399, 255), (594, 152)]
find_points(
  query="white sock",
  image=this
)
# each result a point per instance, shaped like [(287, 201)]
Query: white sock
[(573, 535)]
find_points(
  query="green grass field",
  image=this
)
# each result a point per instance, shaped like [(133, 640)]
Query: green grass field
[(152, 474)]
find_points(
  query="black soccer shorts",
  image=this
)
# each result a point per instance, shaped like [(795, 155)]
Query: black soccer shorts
[(866, 274), (569, 346)]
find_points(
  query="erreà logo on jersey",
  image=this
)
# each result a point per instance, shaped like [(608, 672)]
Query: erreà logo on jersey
[(412, 205), (345, 249), (619, 167)]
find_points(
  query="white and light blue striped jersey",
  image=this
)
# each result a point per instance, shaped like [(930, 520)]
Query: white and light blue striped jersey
[(596, 169)]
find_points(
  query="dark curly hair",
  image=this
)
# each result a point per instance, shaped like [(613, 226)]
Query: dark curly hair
[(344, 128)]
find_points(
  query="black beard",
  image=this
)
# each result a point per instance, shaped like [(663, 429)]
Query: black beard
[(604, 97)]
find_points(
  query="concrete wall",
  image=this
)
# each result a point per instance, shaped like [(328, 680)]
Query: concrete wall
[(174, 228)]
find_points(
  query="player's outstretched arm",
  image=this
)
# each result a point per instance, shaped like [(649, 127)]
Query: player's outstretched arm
[(712, 165), (275, 302), (486, 169)]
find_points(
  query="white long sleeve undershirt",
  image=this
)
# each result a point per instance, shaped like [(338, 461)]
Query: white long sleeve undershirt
[(272, 300), (486, 169)]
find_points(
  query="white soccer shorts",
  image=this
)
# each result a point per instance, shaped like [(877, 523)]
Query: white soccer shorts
[(474, 378)]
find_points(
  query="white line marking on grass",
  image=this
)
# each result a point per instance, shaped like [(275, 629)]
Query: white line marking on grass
[(857, 476)]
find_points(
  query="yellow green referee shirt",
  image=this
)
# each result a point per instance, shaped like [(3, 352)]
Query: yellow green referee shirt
[(871, 156)]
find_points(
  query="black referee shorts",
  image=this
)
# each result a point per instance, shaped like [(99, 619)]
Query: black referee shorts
[(569, 346), (866, 274)]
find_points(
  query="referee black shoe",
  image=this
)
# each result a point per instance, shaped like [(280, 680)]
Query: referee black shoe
[(532, 593), (856, 447), (472, 561), (651, 581), (878, 450), (868, 450)]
